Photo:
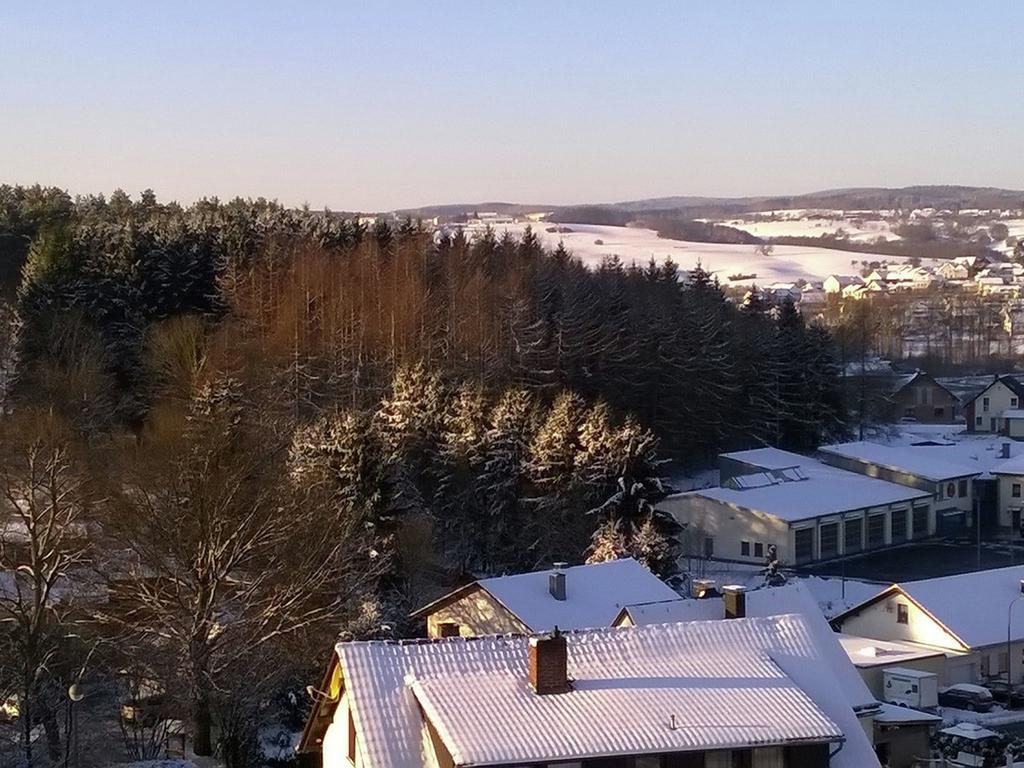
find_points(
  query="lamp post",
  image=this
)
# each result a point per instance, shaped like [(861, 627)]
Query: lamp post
[(1009, 656), (75, 694)]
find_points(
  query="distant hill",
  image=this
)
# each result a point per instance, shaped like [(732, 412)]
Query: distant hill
[(852, 198)]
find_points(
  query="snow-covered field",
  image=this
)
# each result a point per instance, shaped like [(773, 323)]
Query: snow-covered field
[(786, 263), (858, 230)]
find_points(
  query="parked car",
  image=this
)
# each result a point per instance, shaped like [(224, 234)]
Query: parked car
[(974, 698)]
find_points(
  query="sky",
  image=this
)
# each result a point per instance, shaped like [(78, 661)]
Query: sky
[(369, 106)]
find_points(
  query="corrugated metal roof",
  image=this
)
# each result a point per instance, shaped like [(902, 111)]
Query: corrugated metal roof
[(741, 681)]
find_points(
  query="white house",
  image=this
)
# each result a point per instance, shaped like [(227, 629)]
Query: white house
[(806, 509), (984, 411), (758, 692), (836, 283), (970, 613)]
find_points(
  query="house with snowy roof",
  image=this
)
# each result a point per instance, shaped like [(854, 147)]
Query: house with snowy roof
[(573, 597), (755, 692), (919, 397), (985, 411), (806, 509), (972, 614)]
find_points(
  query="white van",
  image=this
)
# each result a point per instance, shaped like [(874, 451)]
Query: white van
[(910, 687)]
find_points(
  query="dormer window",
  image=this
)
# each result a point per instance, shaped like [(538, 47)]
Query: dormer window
[(984, 404)]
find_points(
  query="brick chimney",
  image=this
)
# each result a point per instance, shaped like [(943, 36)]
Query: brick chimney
[(556, 582), (735, 598), (549, 662)]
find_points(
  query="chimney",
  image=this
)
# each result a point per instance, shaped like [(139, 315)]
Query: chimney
[(1006, 451), (704, 588), (549, 661), (735, 601), (556, 582)]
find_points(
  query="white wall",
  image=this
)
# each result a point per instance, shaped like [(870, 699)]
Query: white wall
[(879, 621), (1007, 502), (728, 527)]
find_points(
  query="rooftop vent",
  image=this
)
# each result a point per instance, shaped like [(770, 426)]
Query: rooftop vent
[(1005, 454), (549, 663), (556, 582)]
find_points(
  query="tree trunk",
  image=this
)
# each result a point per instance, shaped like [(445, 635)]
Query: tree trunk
[(202, 738), (202, 719)]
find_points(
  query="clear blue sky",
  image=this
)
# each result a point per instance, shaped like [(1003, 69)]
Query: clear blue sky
[(375, 105)]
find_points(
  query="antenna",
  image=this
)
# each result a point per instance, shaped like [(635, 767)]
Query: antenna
[(673, 726)]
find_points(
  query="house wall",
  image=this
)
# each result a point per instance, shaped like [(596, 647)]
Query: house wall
[(905, 743), (1000, 398), (335, 744), (879, 620), (1007, 502), (727, 527), (1014, 428), (476, 613)]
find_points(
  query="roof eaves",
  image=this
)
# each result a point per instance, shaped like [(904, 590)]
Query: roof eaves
[(444, 600)]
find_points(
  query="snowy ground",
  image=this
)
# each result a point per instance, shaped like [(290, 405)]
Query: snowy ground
[(787, 263), (857, 230)]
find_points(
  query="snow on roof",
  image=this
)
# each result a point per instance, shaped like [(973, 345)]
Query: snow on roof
[(826, 490), (892, 713), (973, 605), (793, 598), (727, 683), (980, 451), (594, 594), (768, 458), (1012, 413), (1012, 466), (869, 652), (971, 731), (912, 460)]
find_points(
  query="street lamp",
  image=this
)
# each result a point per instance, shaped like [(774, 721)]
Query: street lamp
[(75, 694), (1009, 656)]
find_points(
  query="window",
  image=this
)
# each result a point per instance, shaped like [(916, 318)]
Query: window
[(803, 541), (1015, 490), (853, 535), (902, 613), (742, 758), (828, 545), (940, 413), (962, 489), (920, 522), (977, 421), (351, 737), (908, 413), (899, 525), (984, 404), (1013, 402), (709, 546), (876, 531), (758, 549), (950, 490), (745, 548)]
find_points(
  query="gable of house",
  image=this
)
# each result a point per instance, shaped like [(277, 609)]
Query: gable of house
[(474, 611), (894, 615)]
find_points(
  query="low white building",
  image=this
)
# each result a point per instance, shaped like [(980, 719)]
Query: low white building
[(971, 614), (806, 509), (949, 481)]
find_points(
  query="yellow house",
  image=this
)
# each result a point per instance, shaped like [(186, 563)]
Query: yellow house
[(573, 597), (972, 615)]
